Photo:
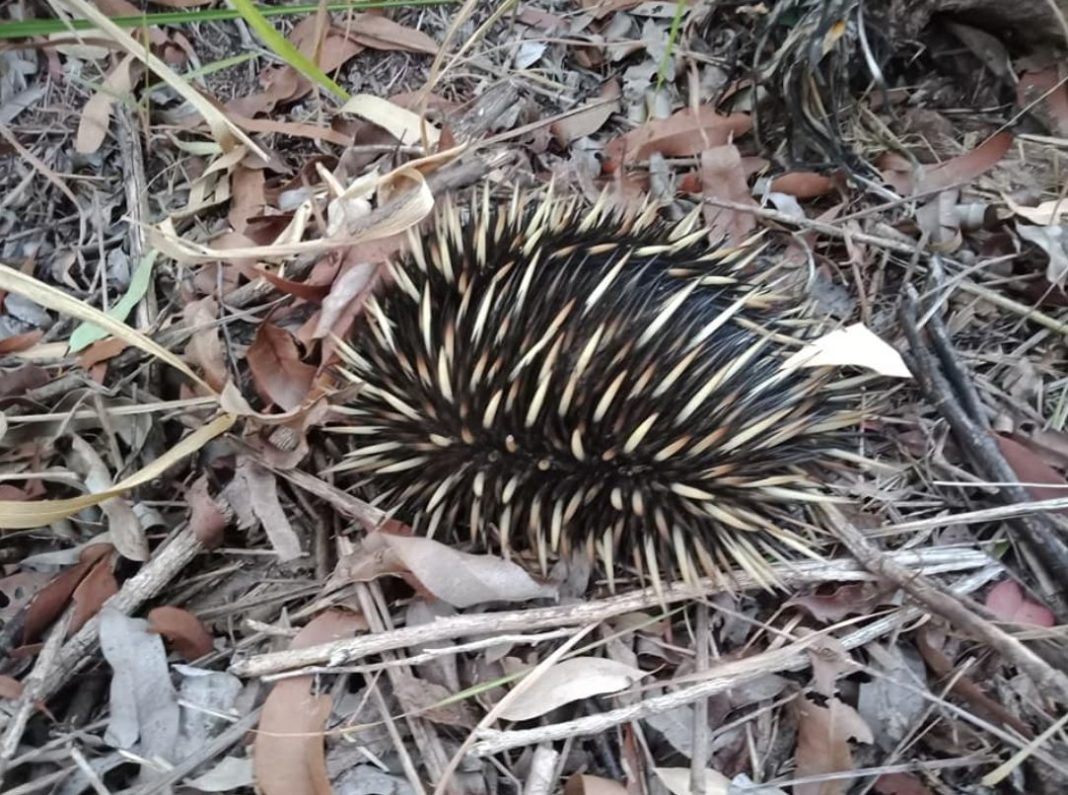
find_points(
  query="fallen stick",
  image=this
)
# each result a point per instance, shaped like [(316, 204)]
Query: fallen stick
[(938, 560)]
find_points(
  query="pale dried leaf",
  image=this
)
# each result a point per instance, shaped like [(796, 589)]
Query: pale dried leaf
[(677, 781), (571, 680), (96, 115), (254, 490), (853, 346), (1052, 240), (823, 737), (381, 33), (404, 125), (580, 784), (144, 706), (462, 579), (125, 528), (230, 774)]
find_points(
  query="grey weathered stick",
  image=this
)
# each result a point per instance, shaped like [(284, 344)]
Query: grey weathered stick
[(929, 561), (722, 677)]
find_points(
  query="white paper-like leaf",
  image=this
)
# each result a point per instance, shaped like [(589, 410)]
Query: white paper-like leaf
[(529, 53), (571, 680), (853, 346), (144, 707), (677, 781), (462, 579)]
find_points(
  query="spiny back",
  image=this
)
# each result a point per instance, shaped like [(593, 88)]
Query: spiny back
[(546, 375)]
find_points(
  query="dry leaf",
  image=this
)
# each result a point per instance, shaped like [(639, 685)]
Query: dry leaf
[(823, 736), (588, 120), (253, 493), (380, 33), (571, 680), (1006, 601), (206, 519), (900, 784), (853, 346), (123, 524), (404, 125), (580, 784), (10, 687), (684, 134), (205, 348), (967, 167), (855, 598), (722, 177), (289, 757), (803, 184), (677, 781), (1032, 471), (96, 115), (462, 579), (279, 374), (92, 593), (51, 600), (189, 637)]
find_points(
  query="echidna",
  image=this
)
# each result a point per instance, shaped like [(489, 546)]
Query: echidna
[(572, 376)]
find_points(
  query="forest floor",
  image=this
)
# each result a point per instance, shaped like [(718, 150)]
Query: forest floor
[(193, 208)]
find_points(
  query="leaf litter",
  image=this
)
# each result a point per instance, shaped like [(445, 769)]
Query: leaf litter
[(190, 231)]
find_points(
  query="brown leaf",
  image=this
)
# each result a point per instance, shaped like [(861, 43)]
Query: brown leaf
[(590, 119), (426, 698), (10, 687), (289, 757), (101, 351), (20, 342), (253, 494), (279, 374), (380, 33), (581, 784), (684, 134), (722, 177), (189, 637), (18, 589), (206, 519), (51, 600), (1032, 471), (965, 168), (1006, 601), (803, 184), (313, 293), (823, 735), (849, 599), (247, 191), (898, 172), (92, 592)]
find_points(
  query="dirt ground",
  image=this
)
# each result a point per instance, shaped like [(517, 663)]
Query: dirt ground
[(197, 596)]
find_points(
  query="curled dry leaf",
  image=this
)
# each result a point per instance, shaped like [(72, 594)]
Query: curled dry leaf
[(684, 134), (853, 346), (824, 733), (123, 524), (571, 680), (380, 33), (289, 757), (189, 637), (207, 519), (462, 579), (900, 784), (279, 374)]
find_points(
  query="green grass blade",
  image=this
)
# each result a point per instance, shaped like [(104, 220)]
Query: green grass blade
[(285, 49), (28, 28)]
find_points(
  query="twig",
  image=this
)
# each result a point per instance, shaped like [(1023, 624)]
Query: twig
[(1048, 681), (33, 689), (930, 561), (1039, 532), (699, 756), (721, 678)]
